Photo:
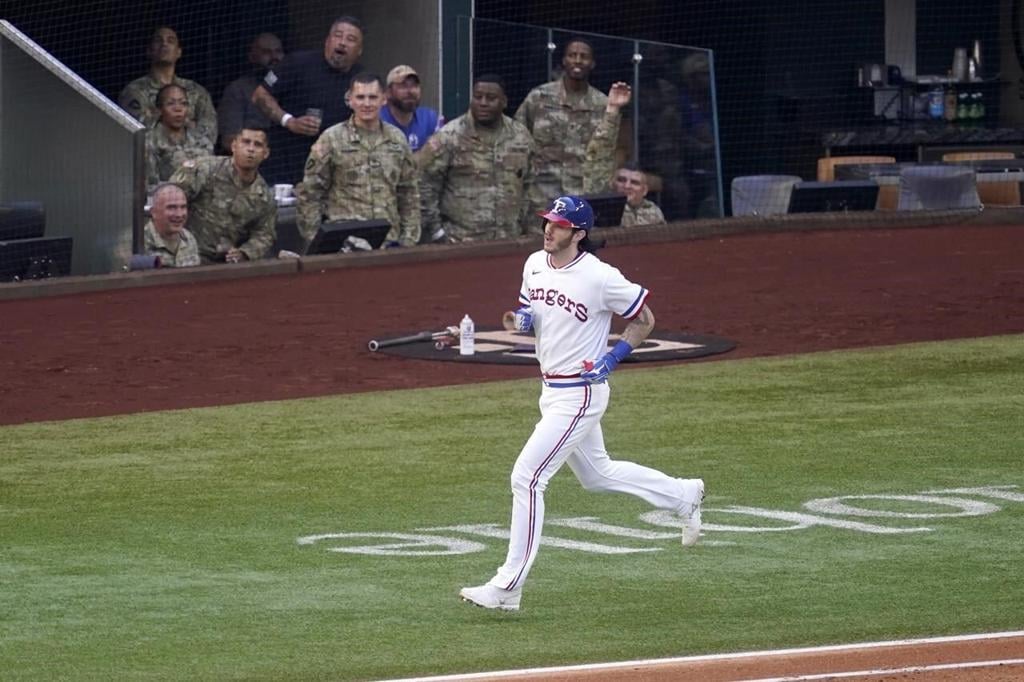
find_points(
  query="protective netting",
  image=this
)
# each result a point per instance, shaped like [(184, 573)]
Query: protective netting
[(105, 42), (736, 105), (887, 86)]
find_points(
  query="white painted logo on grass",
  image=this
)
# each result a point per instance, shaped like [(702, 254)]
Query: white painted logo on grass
[(825, 512), (408, 545)]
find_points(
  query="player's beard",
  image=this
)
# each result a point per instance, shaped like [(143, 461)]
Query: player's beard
[(561, 240)]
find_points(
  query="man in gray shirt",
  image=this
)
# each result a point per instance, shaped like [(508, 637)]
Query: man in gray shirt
[(236, 107)]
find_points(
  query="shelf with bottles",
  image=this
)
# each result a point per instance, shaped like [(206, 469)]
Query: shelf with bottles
[(940, 99), (954, 102)]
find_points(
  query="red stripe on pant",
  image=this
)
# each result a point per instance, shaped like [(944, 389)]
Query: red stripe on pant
[(533, 485)]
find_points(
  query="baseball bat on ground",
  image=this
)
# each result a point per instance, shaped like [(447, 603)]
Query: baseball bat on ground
[(374, 345)]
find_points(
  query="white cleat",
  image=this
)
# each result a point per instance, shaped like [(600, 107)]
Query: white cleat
[(491, 597), (689, 512)]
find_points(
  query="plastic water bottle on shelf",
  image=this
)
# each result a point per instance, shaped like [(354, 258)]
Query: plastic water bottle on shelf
[(467, 336), (963, 109), (977, 107), (949, 104), (935, 103)]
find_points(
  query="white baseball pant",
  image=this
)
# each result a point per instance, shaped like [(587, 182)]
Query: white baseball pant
[(570, 431)]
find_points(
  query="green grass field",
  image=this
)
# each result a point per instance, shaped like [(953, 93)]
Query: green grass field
[(166, 545)]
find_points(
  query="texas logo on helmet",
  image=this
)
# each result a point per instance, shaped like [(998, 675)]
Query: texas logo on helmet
[(569, 211)]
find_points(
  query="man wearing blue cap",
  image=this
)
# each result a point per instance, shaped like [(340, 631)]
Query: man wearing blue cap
[(568, 298)]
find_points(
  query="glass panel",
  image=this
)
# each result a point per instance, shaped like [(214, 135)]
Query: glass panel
[(669, 129)]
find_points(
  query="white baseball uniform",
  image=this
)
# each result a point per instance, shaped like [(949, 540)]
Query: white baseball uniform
[(572, 312)]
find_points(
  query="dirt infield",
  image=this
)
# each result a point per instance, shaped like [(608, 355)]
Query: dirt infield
[(305, 334), (953, 659), (296, 335)]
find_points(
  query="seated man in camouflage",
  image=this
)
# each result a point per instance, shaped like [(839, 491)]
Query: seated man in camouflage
[(632, 182), (232, 211), (138, 97), (171, 142), (476, 171), (165, 233)]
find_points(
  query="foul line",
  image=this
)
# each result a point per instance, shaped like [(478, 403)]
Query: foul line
[(891, 671), (523, 672)]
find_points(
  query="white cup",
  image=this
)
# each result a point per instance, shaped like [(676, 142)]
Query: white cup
[(282, 191), (960, 64), (318, 114)]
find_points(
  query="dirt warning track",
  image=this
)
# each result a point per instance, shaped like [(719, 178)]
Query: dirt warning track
[(299, 335)]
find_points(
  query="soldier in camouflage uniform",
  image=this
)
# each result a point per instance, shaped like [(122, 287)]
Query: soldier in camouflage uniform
[(139, 97), (170, 142), (647, 213), (233, 213), (361, 169), (599, 159), (639, 210), (476, 171), (165, 233), (563, 117)]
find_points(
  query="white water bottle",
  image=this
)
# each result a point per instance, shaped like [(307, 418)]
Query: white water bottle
[(467, 336)]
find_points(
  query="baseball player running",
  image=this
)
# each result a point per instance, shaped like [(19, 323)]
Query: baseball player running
[(568, 297)]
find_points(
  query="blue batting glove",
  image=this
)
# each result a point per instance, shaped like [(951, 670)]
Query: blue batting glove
[(599, 371), (524, 319)]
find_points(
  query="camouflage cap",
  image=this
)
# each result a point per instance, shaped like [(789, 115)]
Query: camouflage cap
[(400, 73)]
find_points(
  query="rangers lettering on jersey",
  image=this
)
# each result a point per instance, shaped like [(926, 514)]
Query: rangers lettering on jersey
[(573, 307), (552, 297)]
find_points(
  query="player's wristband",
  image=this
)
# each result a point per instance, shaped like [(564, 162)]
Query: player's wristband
[(620, 350), (284, 120)]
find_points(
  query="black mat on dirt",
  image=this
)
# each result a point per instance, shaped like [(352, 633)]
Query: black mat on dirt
[(498, 346)]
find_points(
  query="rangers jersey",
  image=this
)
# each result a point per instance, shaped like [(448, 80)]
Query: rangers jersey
[(572, 309)]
